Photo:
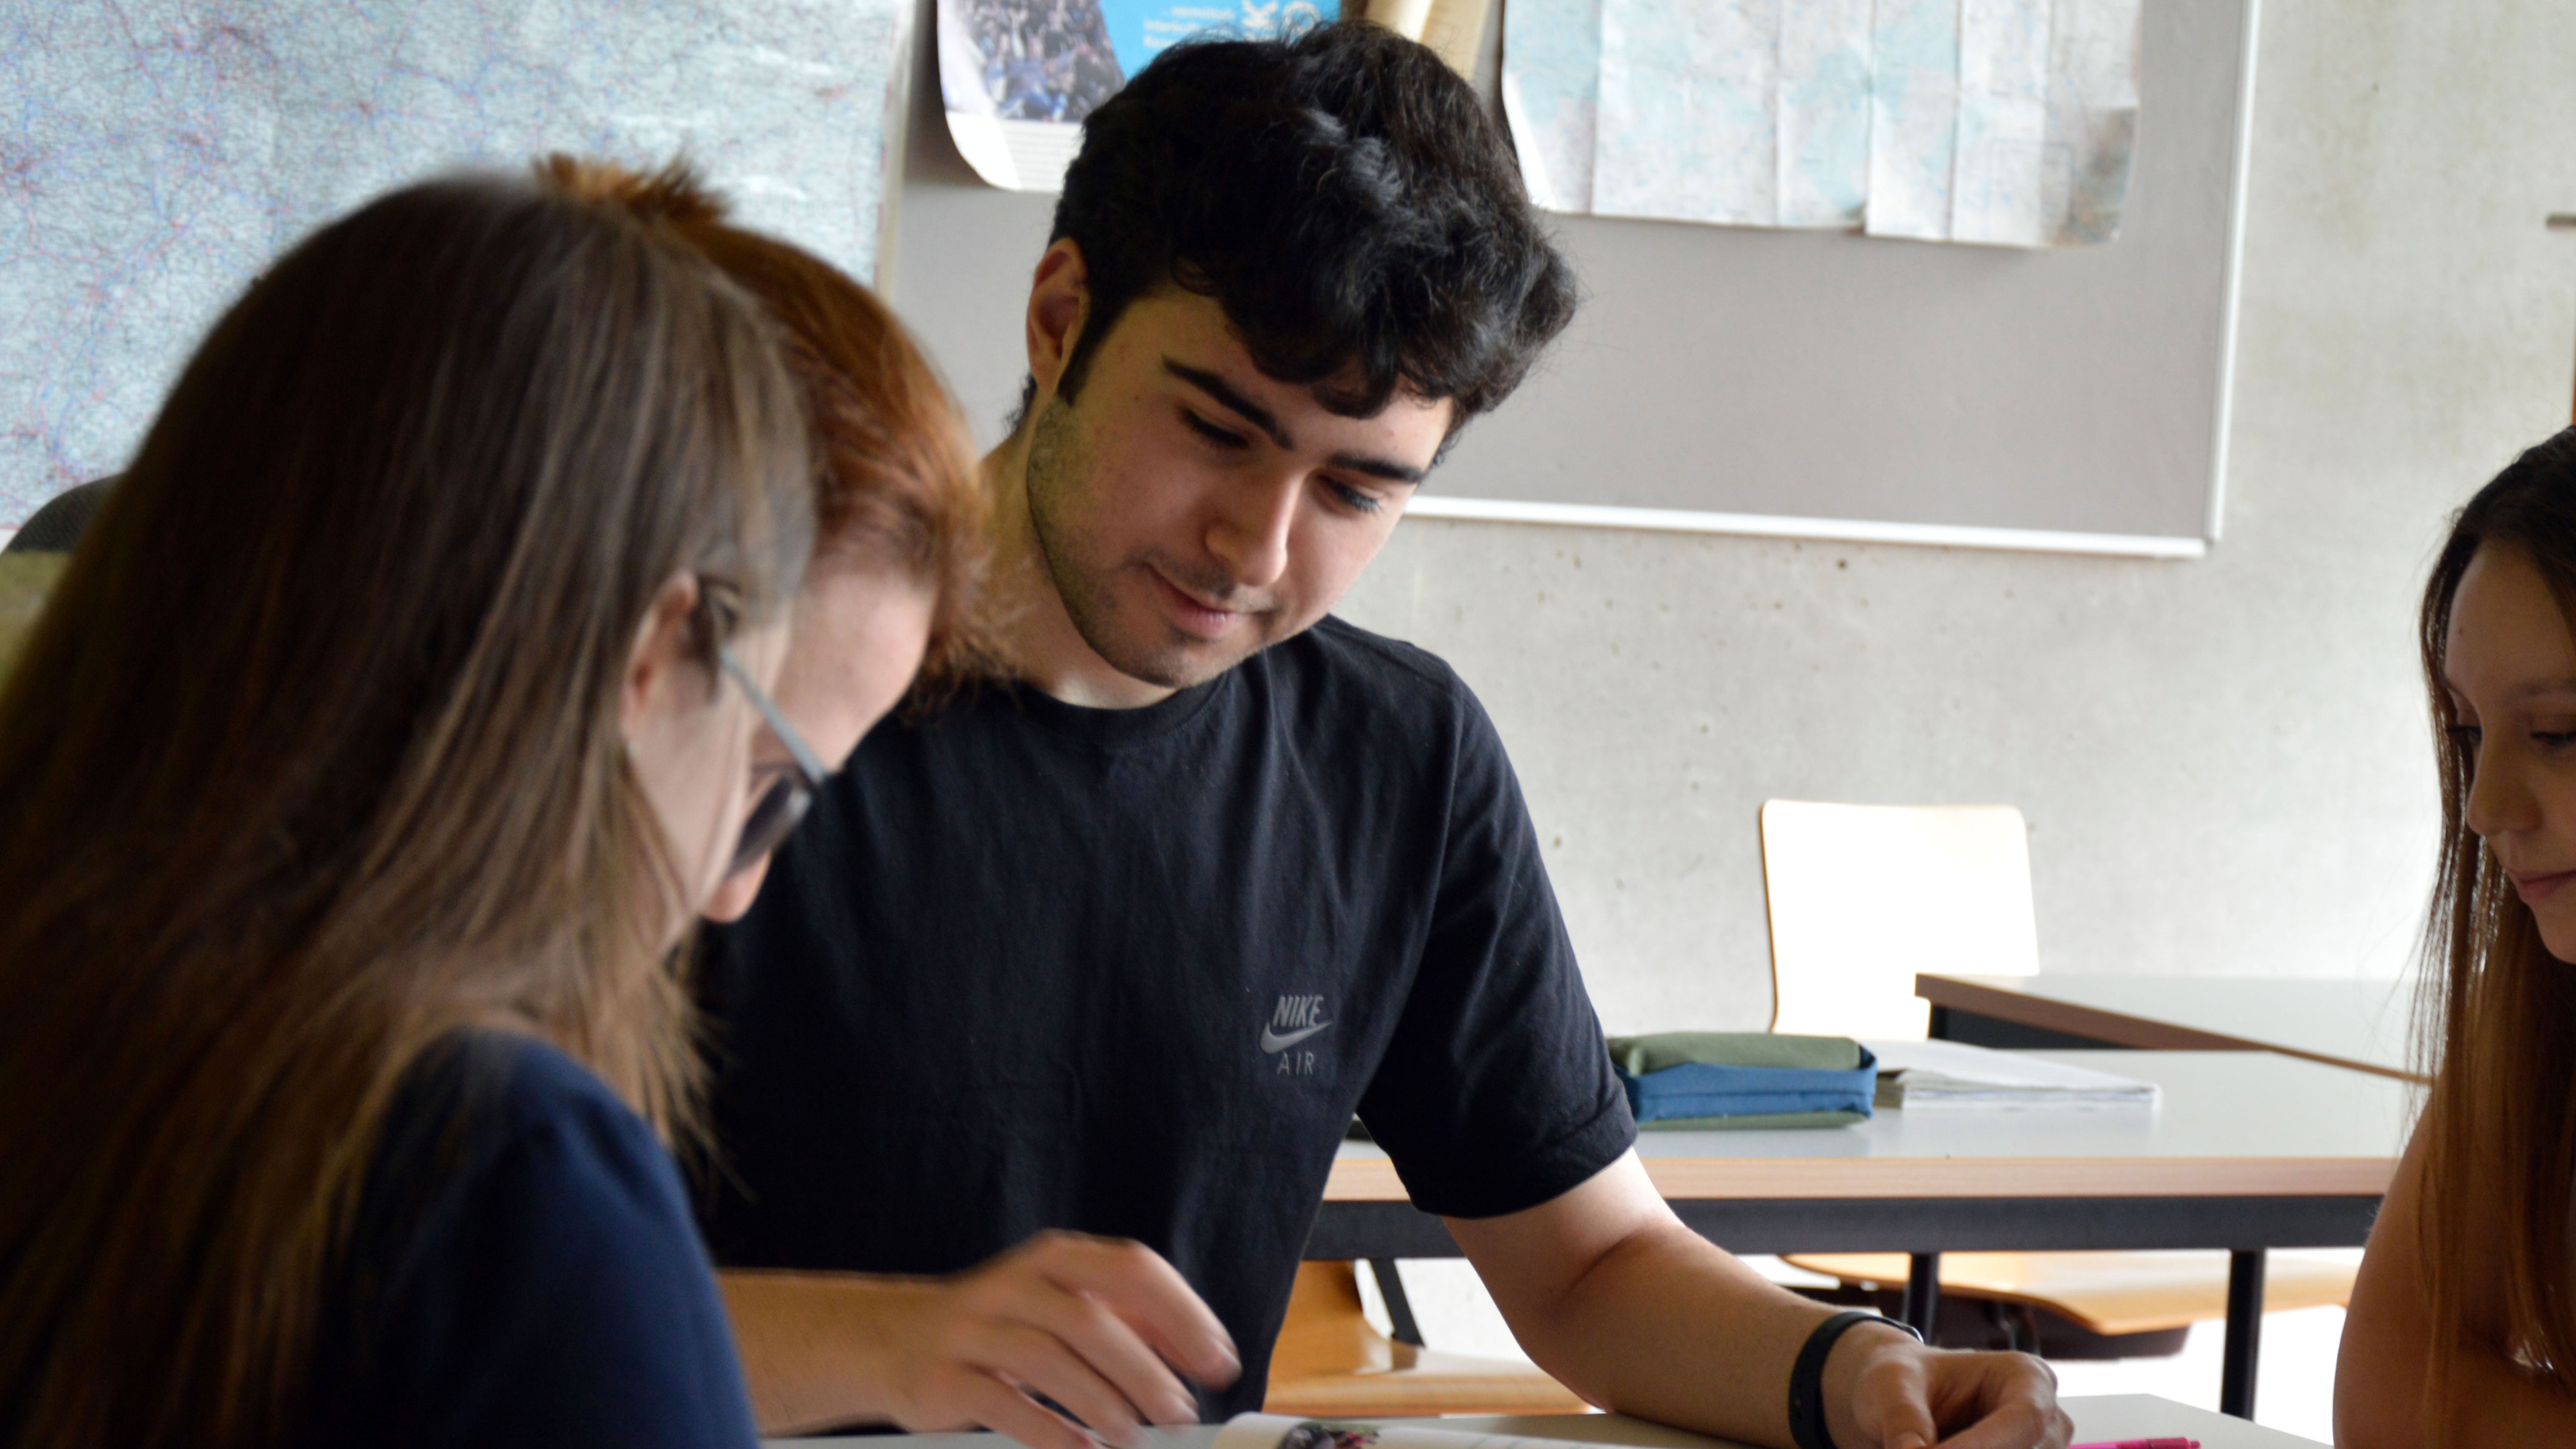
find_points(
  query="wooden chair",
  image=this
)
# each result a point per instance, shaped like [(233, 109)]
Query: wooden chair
[(1332, 1363), (1862, 897), (2109, 1294)]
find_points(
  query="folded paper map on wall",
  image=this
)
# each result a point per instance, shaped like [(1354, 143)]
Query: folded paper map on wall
[(2009, 122)]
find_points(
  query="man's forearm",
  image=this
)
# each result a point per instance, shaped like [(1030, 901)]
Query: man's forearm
[(814, 1344), (1667, 1327)]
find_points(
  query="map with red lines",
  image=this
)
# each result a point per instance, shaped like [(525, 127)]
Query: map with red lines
[(155, 154)]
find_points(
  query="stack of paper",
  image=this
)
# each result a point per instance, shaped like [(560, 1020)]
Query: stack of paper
[(1915, 1075)]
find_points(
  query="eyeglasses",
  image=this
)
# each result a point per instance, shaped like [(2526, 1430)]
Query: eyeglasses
[(774, 815)]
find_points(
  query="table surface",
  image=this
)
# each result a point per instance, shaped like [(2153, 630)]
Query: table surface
[(2121, 1416), (2360, 1024), (2234, 1123)]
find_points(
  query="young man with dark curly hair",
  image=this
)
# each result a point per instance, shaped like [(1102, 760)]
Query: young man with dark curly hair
[(1065, 994)]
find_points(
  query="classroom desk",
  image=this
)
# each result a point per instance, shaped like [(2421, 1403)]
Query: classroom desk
[(2110, 1416), (2247, 1151), (2360, 1024)]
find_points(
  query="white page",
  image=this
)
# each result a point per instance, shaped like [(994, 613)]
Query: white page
[(1914, 117), (1996, 192), (1824, 105), (1689, 126), (1551, 96), (2092, 119), (1962, 1063)]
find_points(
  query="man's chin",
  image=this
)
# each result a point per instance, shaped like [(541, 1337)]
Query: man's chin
[(1179, 663), (1180, 668)]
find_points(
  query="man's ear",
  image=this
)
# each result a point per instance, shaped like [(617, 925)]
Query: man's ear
[(1059, 303), (663, 650)]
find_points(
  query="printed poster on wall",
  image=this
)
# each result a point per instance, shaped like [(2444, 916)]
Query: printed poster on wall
[(1018, 76)]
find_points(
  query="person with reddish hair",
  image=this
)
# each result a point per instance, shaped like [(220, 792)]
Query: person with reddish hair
[(891, 602)]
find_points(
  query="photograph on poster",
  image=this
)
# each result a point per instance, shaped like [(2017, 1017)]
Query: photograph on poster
[(1018, 76)]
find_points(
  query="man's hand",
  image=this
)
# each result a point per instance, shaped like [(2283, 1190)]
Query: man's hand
[(1095, 1324), (1883, 1390), (1624, 1305)]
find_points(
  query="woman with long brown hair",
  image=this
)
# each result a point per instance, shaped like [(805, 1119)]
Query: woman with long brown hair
[(385, 730), (2462, 1329)]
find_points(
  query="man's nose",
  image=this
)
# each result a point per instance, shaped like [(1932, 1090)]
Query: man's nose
[(1250, 531)]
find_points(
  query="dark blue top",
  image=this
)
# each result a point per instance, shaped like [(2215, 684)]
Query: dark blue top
[(524, 1271)]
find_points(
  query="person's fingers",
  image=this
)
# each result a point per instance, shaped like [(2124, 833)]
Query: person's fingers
[(1005, 1410), (1033, 1358), (1112, 1349), (2002, 1401), (1150, 1294)]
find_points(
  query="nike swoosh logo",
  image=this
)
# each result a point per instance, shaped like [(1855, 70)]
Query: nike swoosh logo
[(1272, 1041)]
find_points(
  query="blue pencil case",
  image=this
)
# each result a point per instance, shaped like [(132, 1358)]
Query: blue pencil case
[(1704, 1080)]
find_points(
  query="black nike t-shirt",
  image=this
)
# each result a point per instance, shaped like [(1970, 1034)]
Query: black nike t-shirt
[(1130, 972)]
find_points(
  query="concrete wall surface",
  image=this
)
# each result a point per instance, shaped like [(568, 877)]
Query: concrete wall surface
[(2224, 762)]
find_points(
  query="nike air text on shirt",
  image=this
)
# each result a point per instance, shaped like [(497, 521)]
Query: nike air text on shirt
[(1297, 1018)]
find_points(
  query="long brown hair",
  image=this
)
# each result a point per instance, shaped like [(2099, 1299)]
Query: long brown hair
[(314, 758), (898, 486), (2496, 1022)]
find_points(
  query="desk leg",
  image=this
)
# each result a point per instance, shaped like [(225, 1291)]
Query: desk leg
[(1923, 1292), (2244, 1333), (1399, 1308)]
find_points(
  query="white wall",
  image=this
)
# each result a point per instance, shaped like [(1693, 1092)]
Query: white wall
[(2224, 762)]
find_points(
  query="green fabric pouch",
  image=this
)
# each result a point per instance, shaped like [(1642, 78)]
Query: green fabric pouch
[(1736, 1081)]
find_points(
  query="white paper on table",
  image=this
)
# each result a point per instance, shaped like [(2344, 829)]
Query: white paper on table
[(1283, 1431), (1917, 1074)]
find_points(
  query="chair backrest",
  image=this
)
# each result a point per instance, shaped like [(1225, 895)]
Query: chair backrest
[(1862, 897)]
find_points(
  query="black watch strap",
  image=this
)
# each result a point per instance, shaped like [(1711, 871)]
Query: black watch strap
[(1807, 1378)]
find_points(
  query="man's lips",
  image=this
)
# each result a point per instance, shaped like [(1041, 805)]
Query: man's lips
[(2536, 886), (1194, 615)]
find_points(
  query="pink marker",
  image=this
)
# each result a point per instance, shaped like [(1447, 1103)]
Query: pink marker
[(2140, 1444)]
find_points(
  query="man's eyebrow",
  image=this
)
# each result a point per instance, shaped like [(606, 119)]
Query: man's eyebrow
[(1233, 401), (1262, 418), (1386, 468)]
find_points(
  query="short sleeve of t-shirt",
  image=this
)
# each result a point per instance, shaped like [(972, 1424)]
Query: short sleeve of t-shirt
[(1496, 1092), (525, 1271)]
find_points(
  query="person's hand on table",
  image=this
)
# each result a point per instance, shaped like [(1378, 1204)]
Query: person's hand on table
[(1098, 1325), (1882, 1390)]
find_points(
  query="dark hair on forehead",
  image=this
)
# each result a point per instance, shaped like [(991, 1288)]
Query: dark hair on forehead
[(1343, 195)]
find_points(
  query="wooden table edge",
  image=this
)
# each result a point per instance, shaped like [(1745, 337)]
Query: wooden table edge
[(1373, 1179), (2119, 1028)]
